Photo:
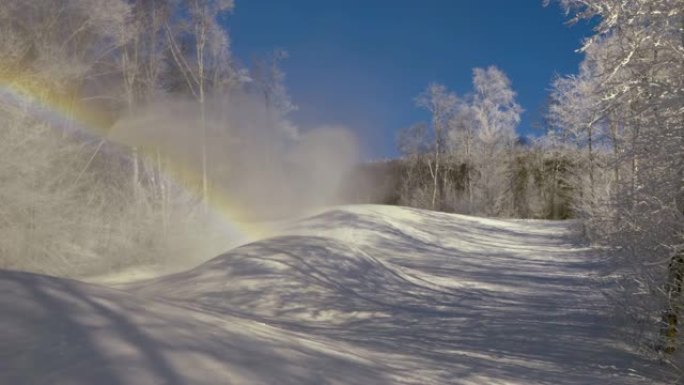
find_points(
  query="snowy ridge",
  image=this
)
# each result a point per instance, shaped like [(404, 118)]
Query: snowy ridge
[(289, 277), (355, 295)]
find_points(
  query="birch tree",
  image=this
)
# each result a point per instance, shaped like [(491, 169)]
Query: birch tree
[(441, 104), (142, 65), (198, 64), (496, 115)]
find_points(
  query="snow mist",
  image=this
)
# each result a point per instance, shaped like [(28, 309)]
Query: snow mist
[(257, 161)]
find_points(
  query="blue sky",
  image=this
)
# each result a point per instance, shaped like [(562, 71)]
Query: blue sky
[(360, 63)]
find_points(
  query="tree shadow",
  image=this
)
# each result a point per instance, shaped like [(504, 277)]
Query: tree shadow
[(538, 316), (419, 300), (56, 331)]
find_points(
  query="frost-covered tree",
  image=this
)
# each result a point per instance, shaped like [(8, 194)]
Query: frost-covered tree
[(441, 104), (202, 64), (573, 99), (79, 73), (55, 45), (267, 79), (56, 203), (557, 170), (461, 142), (496, 115), (496, 112), (142, 66), (637, 61), (472, 140)]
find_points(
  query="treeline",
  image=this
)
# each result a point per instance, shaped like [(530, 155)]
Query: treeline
[(538, 185), (469, 159)]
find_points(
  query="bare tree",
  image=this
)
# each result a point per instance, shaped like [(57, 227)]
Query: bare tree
[(210, 43), (441, 104), (414, 146), (462, 141)]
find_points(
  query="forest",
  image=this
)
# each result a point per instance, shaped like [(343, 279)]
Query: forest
[(123, 121)]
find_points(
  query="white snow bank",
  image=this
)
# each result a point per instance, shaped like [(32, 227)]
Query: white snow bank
[(355, 295), (55, 331)]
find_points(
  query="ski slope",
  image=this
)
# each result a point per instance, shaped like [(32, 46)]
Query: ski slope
[(355, 295)]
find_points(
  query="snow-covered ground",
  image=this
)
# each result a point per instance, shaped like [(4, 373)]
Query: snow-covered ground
[(355, 295)]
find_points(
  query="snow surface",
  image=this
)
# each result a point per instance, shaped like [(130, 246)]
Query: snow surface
[(355, 295)]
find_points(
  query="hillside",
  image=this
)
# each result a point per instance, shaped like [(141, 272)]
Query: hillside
[(355, 295)]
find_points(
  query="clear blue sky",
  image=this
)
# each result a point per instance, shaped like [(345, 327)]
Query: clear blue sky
[(360, 63)]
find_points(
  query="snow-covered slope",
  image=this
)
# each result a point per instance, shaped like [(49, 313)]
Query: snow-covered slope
[(355, 295)]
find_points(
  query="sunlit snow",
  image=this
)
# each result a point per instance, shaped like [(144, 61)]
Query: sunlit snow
[(354, 295)]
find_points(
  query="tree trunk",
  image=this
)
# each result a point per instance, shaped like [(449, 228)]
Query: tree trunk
[(673, 288), (469, 176), (616, 148), (201, 34), (591, 164), (435, 175)]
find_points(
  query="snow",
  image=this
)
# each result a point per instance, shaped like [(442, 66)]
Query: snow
[(355, 295)]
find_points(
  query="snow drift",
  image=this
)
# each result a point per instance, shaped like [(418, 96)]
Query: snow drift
[(355, 295)]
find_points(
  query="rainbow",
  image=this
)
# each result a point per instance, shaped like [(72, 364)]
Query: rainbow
[(30, 97)]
